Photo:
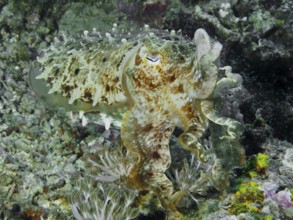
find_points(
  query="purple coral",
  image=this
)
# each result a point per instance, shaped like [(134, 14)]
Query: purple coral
[(269, 189), (282, 198)]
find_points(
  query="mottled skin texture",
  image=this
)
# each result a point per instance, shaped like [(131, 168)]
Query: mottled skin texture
[(159, 83)]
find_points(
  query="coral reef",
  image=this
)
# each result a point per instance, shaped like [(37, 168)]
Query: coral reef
[(47, 155), (257, 31)]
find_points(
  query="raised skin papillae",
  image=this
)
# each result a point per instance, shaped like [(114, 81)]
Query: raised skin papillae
[(152, 82)]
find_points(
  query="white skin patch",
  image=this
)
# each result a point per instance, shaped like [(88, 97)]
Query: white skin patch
[(153, 59), (148, 58)]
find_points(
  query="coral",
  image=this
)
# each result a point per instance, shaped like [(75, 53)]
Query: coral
[(257, 33), (276, 203), (102, 192), (192, 179), (280, 170), (265, 191), (94, 201), (282, 198), (269, 189), (152, 82), (41, 147), (248, 198), (257, 165), (288, 159), (80, 16), (262, 162), (109, 165)]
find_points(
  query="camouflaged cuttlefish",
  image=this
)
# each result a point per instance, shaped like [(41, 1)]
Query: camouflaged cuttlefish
[(152, 82)]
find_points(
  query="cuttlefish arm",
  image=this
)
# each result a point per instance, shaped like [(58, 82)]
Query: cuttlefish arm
[(147, 134), (234, 127)]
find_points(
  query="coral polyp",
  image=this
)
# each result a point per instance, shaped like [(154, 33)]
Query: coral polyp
[(152, 82)]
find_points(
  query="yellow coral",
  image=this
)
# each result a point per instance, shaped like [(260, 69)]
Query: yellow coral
[(262, 161), (248, 198)]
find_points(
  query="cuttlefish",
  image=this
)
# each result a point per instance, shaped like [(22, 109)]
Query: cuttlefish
[(150, 81)]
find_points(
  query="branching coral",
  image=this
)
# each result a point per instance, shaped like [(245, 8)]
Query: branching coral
[(153, 82)]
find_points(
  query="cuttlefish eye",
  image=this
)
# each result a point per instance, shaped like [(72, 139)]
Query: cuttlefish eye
[(153, 59)]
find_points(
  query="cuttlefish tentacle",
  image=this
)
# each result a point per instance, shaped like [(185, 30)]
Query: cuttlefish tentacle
[(234, 127)]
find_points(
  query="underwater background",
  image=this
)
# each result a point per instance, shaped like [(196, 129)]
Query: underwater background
[(43, 147)]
